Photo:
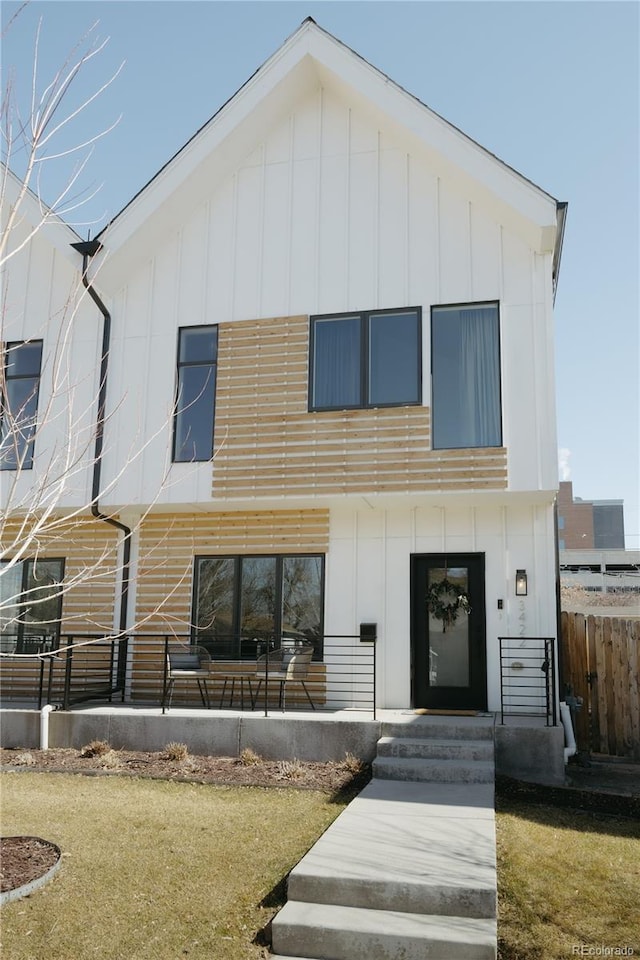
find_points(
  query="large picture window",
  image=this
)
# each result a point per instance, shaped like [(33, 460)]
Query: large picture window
[(369, 359), (465, 376), (195, 404), (19, 403), (30, 605), (242, 603)]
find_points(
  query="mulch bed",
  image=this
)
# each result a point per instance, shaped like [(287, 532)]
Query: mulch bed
[(23, 859), (334, 777)]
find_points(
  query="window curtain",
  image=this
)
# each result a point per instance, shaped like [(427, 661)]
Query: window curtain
[(336, 373), (480, 377)]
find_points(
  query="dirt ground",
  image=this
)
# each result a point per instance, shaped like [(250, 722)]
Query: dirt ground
[(27, 858)]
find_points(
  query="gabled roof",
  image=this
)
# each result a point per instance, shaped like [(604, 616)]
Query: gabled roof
[(309, 56), (39, 219)]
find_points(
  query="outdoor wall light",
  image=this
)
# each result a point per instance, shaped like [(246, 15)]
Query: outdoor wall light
[(521, 583)]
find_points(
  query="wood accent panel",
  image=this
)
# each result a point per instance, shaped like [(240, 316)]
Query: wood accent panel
[(147, 678), (169, 542), (268, 444), (90, 551)]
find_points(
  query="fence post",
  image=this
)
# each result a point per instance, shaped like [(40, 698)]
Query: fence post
[(266, 682), (66, 693), (375, 645)]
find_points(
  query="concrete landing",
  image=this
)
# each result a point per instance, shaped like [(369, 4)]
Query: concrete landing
[(414, 847)]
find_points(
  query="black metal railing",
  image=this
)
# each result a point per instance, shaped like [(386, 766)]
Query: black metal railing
[(74, 670), (528, 678), (87, 667), (250, 646), (344, 679)]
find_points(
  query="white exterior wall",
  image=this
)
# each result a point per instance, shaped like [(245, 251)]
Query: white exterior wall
[(43, 299), (368, 577), (330, 212), (334, 208)]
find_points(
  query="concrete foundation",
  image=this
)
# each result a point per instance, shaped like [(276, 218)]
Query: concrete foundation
[(534, 754), (523, 750)]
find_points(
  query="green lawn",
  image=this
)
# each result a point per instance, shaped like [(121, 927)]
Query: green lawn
[(158, 870), (154, 869), (566, 880)]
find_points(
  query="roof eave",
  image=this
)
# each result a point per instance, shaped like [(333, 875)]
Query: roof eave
[(561, 212)]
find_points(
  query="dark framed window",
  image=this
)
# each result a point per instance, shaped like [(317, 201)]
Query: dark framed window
[(465, 376), (367, 359), (21, 365), (196, 399), (241, 603), (30, 605)]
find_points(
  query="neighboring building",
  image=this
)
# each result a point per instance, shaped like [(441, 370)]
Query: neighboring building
[(589, 524), (608, 524), (354, 303), (601, 571)]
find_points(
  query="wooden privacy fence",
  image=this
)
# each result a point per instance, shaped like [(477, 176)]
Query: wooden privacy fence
[(601, 664)]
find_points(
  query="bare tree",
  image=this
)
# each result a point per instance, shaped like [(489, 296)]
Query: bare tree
[(32, 141), (47, 404)]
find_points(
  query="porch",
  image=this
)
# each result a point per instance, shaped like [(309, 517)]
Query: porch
[(132, 669), (526, 748)]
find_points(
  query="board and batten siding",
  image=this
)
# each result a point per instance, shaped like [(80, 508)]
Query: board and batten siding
[(331, 211), (169, 543), (267, 443)]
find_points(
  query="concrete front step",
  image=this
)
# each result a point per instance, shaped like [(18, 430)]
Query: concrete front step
[(316, 931), (428, 748), (400, 846), (434, 771), (440, 728)]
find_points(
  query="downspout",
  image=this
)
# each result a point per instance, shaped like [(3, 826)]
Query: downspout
[(558, 601), (88, 249)]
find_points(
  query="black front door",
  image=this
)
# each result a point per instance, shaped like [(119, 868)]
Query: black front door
[(448, 639)]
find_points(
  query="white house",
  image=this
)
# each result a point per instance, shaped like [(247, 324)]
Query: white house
[(353, 303)]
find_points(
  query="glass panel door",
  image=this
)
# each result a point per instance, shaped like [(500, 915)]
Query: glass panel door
[(448, 631), (448, 626)]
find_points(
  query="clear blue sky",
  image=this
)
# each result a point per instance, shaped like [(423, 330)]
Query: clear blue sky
[(550, 87)]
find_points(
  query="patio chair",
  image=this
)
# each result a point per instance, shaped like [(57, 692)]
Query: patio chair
[(289, 664), (185, 661)]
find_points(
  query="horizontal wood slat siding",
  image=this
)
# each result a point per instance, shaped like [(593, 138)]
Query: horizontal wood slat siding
[(147, 679), (267, 443), (90, 550), (169, 542)]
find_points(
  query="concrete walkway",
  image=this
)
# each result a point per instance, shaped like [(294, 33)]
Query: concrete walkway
[(407, 870)]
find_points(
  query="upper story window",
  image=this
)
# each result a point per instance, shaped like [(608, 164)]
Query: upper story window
[(465, 376), (368, 359), (195, 404), (30, 605), (19, 403)]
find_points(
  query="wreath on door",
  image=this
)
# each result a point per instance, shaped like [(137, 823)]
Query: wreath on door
[(446, 600)]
